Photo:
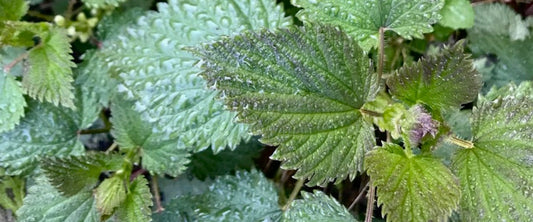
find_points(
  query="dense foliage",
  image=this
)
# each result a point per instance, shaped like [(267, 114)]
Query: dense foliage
[(217, 110)]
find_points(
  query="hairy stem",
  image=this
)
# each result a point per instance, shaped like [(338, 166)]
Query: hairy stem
[(155, 189), (294, 193), (370, 203), (460, 142), (12, 64), (359, 196)]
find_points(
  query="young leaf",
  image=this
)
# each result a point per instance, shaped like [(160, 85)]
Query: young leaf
[(12, 9), (502, 40), (109, 195), (362, 19), (44, 204), (75, 174), (102, 3), (46, 130), (316, 207), (12, 102), (49, 74), (160, 75), (136, 207), (457, 14), (411, 188), (300, 89), (207, 164), (497, 174), (247, 196), (444, 81), (160, 155)]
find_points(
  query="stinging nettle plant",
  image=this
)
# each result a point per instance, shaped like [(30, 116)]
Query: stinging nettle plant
[(189, 85)]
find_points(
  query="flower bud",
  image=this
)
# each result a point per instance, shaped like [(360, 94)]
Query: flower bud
[(59, 20)]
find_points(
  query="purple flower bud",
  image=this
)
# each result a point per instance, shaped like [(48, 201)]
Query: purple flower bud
[(422, 125)]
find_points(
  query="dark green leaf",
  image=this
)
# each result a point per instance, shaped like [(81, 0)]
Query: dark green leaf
[(444, 81), (243, 197), (299, 88), (316, 207), (497, 174), (74, 174), (411, 188), (362, 19), (44, 204)]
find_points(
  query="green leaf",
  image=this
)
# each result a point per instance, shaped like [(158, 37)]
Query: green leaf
[(444, 81), (136, 207), (49, 74), (46, 130), (502, 42), (12, 9), (44, 204), (525, 89), (362, 19), (317, 207), (497, 174), (207, 164), (160, 155), (247, 196), (12, 102), (300, 89), (411, 188), (457, 14), (109, 195), (74, 174), (159, 74), (12, 190), (104, 4)]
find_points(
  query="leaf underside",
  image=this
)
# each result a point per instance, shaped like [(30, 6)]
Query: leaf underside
[(136, 206), (247, 196), (317, 207), (497, 174), (362, 19), (157, 72), (457, 14), (418, 188), (443, 82), (300, 89)]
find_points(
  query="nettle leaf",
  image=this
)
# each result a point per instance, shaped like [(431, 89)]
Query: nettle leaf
[(300, 89), (159, 154), (102, 3), (525, 89), (12, 102), (317, 207), (12, 9), (160, 75), (444, 81), (362, 19), (138, 201), (502, 42), (46, 130), (411, 188), (207, 164), (497, 174), (247, 196), (45, 204), (74, 174), (109, 195), (49, 74), (457, 14)]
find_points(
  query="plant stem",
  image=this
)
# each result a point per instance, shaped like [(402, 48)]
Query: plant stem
[(370, 203), (359, 196), (381, 52), (37, 14), (111, 148), (93, 131), (12, 64), (370, 113), (460, 142), (155, 189), (294, 193)]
